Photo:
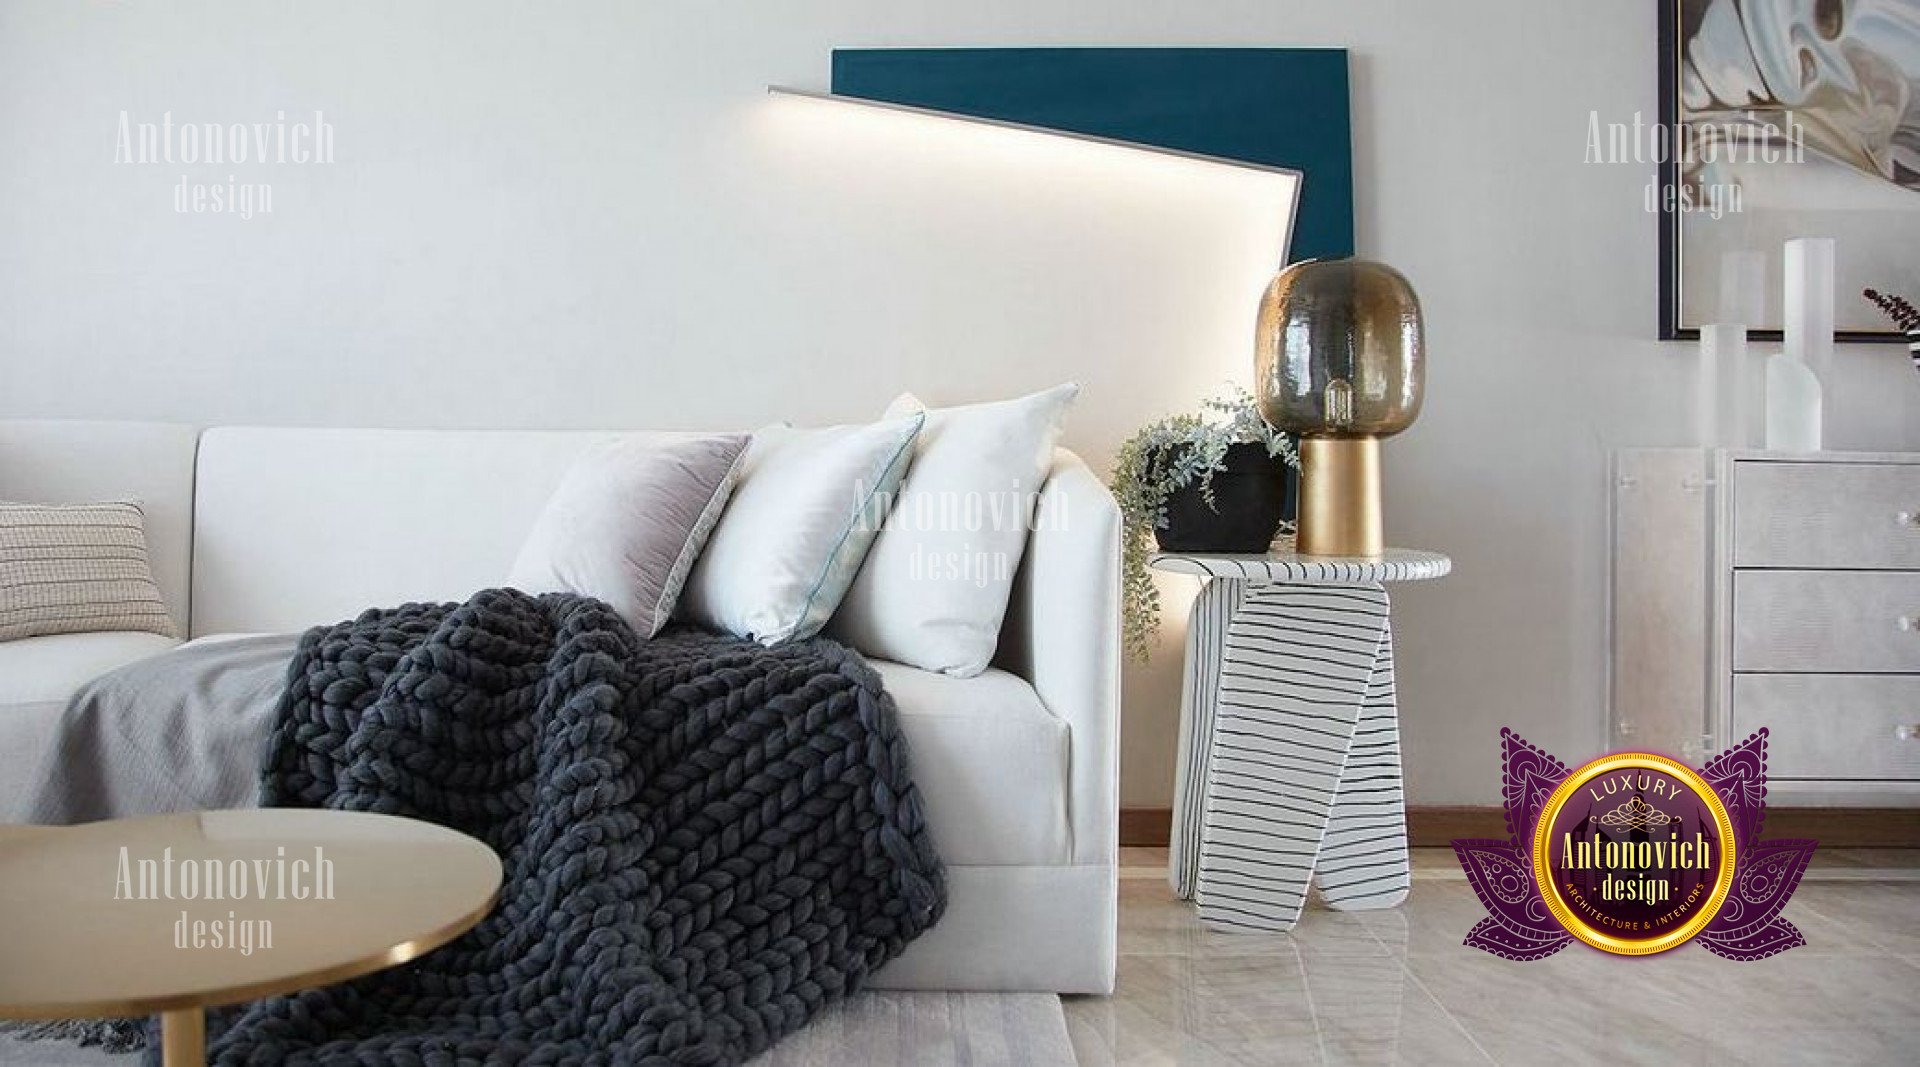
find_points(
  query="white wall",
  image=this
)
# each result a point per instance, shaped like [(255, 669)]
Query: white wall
[(582, 214)]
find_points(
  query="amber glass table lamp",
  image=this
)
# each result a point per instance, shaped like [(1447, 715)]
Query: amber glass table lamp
[(1340, 363)]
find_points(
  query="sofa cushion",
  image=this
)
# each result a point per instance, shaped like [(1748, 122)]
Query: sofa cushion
[(371, 516), (628, 521), (57, 461), (934, 589), (991, 763), (77, 569), (37, 669), (808, 506)]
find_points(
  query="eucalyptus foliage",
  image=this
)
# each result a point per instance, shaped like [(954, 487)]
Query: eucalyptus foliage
[(1161, 458)]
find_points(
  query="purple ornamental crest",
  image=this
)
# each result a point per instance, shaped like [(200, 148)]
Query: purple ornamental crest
[(1748, 926)]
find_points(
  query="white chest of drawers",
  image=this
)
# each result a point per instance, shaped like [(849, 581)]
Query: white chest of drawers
[(1757, 589)]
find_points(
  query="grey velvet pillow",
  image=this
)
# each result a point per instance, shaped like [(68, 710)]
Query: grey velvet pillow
[(629, 520)]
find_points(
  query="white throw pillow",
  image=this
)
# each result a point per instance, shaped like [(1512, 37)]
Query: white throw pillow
[(628, 522), (936, 583), (798, 527)]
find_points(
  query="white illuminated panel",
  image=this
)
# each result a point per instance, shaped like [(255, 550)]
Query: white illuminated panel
[(976, 259), (1279, 183)]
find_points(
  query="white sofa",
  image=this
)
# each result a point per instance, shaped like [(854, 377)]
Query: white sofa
[(273, 530)]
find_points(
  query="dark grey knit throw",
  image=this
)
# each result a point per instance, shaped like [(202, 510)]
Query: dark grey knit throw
[(705, 841)]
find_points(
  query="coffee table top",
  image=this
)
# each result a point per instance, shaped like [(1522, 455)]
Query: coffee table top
[(399, 888)]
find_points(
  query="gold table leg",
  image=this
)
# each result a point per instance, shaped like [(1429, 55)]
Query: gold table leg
[(183, 1038)]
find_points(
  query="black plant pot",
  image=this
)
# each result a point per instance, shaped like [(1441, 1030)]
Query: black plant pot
[(1253, 493)]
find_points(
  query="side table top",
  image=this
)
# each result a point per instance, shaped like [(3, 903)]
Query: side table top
[(1280, 567), (169, 912)]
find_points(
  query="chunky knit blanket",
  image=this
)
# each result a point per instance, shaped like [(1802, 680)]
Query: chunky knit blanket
[(705, 841)]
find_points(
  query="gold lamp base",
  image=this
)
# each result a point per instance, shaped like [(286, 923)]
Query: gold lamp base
[(1339, 497)]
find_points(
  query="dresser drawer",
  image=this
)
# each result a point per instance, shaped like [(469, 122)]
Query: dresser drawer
[(1826, 515), (1832, 726), (1836, 622)]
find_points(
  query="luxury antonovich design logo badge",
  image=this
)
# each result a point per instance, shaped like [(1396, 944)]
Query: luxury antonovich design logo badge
[(1634, 853), (1637, 875)]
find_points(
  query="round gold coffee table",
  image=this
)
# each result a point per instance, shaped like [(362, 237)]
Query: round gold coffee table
[(173, 914)]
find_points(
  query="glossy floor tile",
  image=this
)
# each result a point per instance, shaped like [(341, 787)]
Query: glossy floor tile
[(1399, 987)]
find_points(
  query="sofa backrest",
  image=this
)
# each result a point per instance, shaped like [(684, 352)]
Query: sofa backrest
[(297, 527), (80, 462)]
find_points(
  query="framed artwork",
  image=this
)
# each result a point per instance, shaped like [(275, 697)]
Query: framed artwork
[(1787, 118)]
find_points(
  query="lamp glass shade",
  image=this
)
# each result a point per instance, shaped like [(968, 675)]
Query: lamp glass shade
[(1340, 351)]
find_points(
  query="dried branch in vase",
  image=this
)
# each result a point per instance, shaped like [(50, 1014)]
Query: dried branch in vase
[(1904, 315)]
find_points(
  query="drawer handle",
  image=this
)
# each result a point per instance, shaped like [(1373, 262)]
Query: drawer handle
[(1907, 732), (1908, 623), (1909, 519)]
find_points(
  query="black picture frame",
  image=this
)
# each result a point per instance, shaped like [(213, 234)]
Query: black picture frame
[(1671, 13)]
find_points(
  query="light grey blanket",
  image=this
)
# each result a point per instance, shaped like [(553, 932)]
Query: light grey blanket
[(182, 731)]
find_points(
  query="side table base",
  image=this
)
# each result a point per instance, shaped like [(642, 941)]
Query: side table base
[(1207, 626), (1297, 766)]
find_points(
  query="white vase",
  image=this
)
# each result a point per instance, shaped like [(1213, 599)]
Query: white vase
[(1802, 375), (1808, 302), (1793, 405), (1730, 389)]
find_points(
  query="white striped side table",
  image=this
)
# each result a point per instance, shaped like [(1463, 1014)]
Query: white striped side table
[(1289, 758)]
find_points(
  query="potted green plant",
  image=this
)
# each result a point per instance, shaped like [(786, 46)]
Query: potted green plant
[(1216, 480)]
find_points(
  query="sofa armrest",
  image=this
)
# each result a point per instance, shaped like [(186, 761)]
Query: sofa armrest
[(1062, 634)]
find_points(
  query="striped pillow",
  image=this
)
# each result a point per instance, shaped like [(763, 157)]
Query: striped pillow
[(76, 568)]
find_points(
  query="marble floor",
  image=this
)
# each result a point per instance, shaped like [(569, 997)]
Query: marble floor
[(1397, 986)]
